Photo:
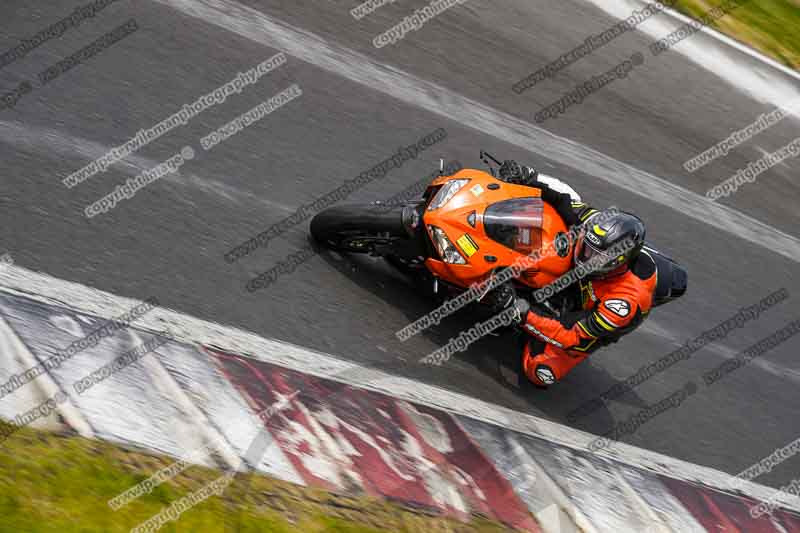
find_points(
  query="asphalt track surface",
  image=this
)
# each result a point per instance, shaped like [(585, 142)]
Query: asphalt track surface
[(169, 240)]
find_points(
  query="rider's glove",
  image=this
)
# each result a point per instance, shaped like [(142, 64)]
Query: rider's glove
[(544, 310), (510, 171), (519, 311), (513, 172), (498, 299)]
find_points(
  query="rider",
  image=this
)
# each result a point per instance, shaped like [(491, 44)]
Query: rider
[(614, 298)]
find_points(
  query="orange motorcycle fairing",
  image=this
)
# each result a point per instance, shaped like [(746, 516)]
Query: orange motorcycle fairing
[(494, 224)]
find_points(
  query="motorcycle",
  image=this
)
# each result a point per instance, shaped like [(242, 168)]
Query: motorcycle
[(467, 228)]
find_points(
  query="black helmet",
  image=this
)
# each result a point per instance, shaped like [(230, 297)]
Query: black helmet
[(610, 240)]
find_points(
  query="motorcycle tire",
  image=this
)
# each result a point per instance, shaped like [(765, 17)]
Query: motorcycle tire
[(358, 228)]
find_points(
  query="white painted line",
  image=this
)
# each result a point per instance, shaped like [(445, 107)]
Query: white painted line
[(641, 505), (733, 43), (659, 497), (161, 379), (552, 521), (44, 382), (53, 291), (765, 80), (436, 99), (52, 141), (23, 398), (653, 326)]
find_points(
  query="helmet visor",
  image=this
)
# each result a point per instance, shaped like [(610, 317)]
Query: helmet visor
[(602, 262)]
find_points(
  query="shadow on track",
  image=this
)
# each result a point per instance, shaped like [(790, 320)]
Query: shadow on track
[(495, 356)]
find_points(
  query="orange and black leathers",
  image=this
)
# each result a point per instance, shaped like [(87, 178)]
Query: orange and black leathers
[(611, 308)]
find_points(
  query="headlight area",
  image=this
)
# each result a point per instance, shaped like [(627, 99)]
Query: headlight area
[(447, 250), (447, 191)]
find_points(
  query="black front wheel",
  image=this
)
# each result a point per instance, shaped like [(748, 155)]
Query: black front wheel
[(358, 228)]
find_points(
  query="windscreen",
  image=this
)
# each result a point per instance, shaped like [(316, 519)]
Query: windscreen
[(516, 224)]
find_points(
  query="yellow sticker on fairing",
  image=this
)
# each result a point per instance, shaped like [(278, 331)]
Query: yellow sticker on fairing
[(468, 245), (477, 190)]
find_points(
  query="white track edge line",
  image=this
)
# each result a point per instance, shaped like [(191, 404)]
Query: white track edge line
[(360, 68), (733, 43), (16, 280)]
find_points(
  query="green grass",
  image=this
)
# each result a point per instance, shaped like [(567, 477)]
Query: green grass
[(770, 26), (52, 482)]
